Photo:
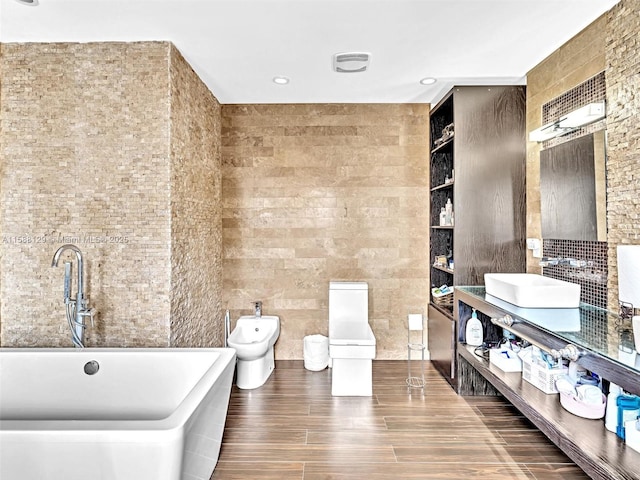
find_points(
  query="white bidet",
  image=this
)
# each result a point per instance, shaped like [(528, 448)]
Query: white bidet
[(253, 339)]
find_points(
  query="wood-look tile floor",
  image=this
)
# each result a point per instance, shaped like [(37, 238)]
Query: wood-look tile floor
[(292, 428)]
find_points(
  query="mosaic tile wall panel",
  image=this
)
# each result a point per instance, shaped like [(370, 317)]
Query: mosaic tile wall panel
[(592, 277), (590, 91)]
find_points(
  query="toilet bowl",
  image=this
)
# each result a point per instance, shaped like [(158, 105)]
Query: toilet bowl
[(352, 345), (253, 339)]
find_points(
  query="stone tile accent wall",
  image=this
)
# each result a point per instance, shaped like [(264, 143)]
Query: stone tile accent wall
[(579, 59), (623, 133), (86, 143), (314, 193), (196, 210)]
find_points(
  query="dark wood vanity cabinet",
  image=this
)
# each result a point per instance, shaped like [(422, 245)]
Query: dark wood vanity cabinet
[(599, 452), (478, 163)]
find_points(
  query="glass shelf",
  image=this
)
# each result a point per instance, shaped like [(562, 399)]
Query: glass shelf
[(595, 329)]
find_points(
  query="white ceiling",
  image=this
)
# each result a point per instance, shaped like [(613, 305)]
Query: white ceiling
[(238, 46)]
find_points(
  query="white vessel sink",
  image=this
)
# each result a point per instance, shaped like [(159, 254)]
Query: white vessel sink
[(529, 290)]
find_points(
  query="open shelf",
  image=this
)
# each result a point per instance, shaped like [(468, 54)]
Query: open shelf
[(443, 146), (443, 269), (444, 185), (600, 453)]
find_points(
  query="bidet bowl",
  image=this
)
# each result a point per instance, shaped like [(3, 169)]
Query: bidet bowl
[(253, 336)]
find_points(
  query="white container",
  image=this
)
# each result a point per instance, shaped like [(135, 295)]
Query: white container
[(448, 208), (316, 352), (474, 335), (632, 430), (443, 217), (573, 404), (611, 415), (505, 359), (542, 378)]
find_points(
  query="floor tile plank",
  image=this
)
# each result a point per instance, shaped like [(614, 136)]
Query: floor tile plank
[(293, 429)]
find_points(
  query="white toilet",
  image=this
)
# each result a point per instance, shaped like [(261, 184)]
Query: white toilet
[(253, 339), (352, 345)]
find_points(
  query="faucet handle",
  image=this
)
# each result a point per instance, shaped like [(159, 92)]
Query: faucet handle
[(257, 305), (89, 313)]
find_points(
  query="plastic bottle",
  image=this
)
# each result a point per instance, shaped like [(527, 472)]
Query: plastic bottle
[(443, 217), (473, 332), (628, 409), (611, 415), (448, 209)]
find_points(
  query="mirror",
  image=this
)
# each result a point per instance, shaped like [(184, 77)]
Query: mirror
[(573, 189)]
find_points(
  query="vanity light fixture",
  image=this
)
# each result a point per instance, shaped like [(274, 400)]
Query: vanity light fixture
[(428, 81), (547, 132), (571, 121), (584, 116), (281, 80), (30, 3)]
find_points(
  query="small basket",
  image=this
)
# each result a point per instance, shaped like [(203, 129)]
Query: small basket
[(445, 300)]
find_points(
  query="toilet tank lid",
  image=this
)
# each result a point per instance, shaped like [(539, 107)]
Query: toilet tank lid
[(348, 286)]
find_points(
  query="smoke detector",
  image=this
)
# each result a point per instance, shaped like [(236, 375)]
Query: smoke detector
[(351, 62)]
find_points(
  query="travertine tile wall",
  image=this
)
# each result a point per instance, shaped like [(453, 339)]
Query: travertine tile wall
[(580, 58), (314, 193), (196, 211), (623, 133), (86, 146)]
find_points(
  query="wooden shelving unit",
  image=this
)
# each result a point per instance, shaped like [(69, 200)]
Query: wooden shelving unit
[(600, 453), (481, 169)]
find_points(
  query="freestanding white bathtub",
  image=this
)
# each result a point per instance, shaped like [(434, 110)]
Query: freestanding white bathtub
[(146, 414)]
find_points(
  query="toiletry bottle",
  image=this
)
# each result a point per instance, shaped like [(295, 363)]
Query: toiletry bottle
[(611, 414), (443, 217), (473, 333), (628, 409), (448, 209)]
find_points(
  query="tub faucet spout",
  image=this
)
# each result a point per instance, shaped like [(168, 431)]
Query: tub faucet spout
[(77, 309), (258, 308)]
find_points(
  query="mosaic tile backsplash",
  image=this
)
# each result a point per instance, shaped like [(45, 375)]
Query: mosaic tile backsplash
[(592, 278)]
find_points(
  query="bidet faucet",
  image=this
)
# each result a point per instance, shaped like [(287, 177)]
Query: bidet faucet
[(258, 308), (77, 309)]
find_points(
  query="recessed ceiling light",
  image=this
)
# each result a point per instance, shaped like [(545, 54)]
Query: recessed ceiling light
[(428, 81), (281, 80), (31, 3)]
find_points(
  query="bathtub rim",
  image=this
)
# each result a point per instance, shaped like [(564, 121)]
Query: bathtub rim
[(62, 430)]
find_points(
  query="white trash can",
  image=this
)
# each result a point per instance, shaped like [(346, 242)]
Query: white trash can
[(316, 352)]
